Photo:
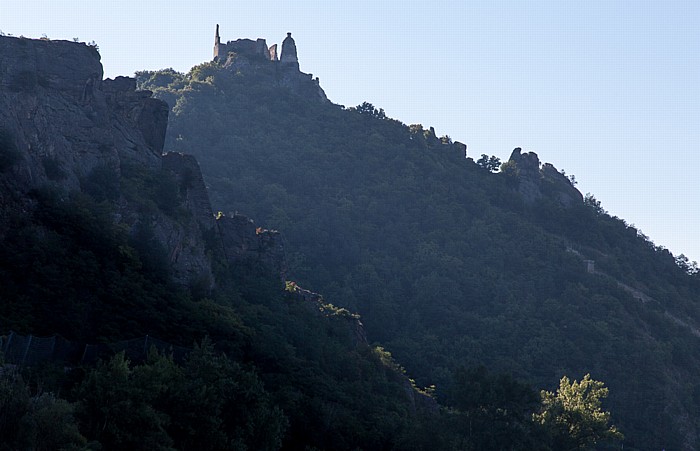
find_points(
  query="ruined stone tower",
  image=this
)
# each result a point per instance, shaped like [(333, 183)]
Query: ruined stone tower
[(217, 43), (255, 57), (289, 51)]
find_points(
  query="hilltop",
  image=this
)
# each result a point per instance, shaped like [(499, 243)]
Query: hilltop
[(104, 239), (450, 261)]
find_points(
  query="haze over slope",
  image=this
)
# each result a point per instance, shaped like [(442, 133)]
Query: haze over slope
[(103, 239), (449, 264)]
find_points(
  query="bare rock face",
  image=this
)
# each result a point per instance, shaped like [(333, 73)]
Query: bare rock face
[(188, 252), (61, 124), (243, 241), (55, 107), (149, 115), (189, 177), (560, 187), (528, 166), (535, 182), (51, 109), (27, 65)]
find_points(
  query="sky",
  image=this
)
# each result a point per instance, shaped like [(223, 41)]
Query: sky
[(607, 90)]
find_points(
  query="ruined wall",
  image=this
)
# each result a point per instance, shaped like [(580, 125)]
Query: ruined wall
[(273, 52), (247, 47)]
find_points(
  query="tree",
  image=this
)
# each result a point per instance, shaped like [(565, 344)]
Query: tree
[(39, 421), (491, 163), (573, 416), (495, 410), (591, 202), (115, 407), (686, 265), (368, 109)]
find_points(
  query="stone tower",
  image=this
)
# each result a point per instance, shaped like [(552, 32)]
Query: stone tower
[(289, 51), (217, 43)]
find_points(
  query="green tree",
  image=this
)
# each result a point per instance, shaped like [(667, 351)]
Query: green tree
[(50, 424), (573, 416), (367, 108), (38, 421), (491, 163), (495, 410), (115, 407), (593, 203)]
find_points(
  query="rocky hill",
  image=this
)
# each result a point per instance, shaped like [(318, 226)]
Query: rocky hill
[(105, 238), (451, 263)]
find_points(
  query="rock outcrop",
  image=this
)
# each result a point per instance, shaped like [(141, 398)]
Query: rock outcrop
[(61, 124), (535, 182), (315, 302), (51, 109), (189, 252), (149, 115), (189, 179), (244, 242), (65, 128)]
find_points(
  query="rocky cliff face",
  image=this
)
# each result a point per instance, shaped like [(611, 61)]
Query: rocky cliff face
[(66, 129), (535, 182), (52, 110), (242, 241)]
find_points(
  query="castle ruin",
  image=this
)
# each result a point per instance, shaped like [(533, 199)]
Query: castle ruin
[(254, 57), (257, 48)]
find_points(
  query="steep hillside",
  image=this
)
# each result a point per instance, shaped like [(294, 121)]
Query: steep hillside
[(450, 264), (104, 239)]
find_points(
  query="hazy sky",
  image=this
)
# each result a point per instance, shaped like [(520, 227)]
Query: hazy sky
[(607, 90)]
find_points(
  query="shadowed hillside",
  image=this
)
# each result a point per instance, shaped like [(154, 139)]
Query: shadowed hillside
[(451, 262), (104, 239)]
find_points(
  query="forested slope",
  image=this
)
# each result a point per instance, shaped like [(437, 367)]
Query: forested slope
[(448, 263), (104, 239)]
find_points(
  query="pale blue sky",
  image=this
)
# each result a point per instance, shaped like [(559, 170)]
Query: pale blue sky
[(607, 90)]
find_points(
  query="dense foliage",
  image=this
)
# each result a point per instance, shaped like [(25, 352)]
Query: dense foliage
[(280, 374), (266, 368), (447, 265)]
